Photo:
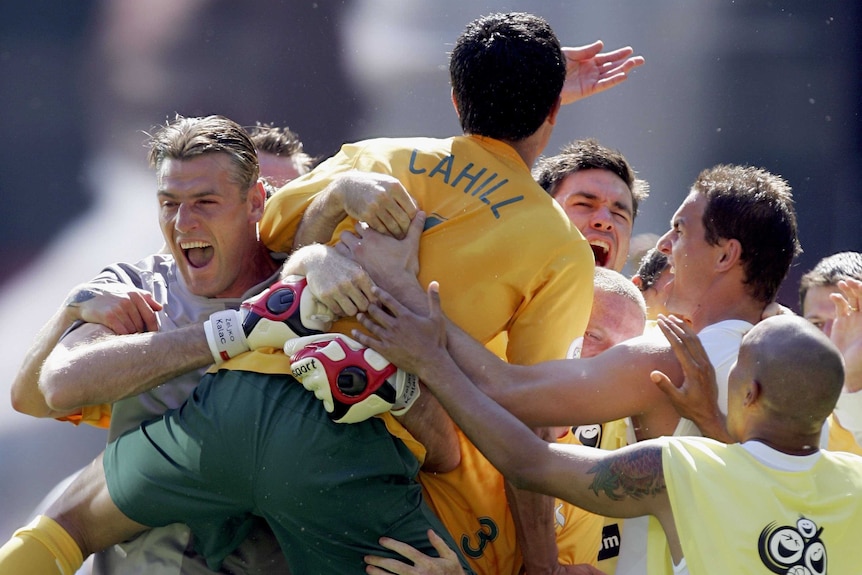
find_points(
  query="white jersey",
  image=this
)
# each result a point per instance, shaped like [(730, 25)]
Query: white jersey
[(721, 342)]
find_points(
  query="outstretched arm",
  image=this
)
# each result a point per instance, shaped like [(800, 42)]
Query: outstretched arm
[(588, 72), (621, 483), (614, 385)]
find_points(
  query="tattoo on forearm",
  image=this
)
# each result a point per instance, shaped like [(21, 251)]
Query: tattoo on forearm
[(636, 475), (80, 297)]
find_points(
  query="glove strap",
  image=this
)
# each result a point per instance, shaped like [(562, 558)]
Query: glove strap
[(225, 336), (408, 392)]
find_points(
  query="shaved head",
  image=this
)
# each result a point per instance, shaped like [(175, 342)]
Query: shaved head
[(799, 370)]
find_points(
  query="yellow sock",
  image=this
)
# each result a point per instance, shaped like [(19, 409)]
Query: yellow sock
[(40, 548)]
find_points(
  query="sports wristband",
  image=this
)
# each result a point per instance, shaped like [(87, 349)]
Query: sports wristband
[(408, 394), (225, 335)]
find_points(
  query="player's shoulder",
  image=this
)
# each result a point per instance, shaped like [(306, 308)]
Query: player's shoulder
[(159, 268), (846, 458), (391, 145)]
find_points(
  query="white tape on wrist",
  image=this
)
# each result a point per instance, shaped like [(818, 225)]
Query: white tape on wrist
[(225, 336), (407, 387)]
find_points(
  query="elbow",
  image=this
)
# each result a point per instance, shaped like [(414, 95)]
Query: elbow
[(25, 403), (21, 404), (57, 398), (442, 462)]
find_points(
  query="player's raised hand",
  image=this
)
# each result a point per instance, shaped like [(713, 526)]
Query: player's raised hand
[(847, 330), (589, 72)]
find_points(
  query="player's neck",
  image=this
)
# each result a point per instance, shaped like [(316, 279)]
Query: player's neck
[(724, 305), (530, 148)]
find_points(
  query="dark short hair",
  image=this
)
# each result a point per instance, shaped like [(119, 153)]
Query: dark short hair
[(589, 154), (507, 72), (755, 208), (650, 268), (189, 138), (830, 270)]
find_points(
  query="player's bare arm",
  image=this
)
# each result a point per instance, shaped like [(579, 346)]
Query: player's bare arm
[(584, 391), (92, 366), (611, 386), (377, 199), (116, 308)]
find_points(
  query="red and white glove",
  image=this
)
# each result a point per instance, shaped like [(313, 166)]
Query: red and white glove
[(354, 382), (283, 311)]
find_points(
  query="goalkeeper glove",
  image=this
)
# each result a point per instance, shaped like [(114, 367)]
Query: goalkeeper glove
[(285, 310), (354, 382)]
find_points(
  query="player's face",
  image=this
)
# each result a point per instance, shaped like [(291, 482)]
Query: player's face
[(613, 319), (208, 227), (818, 308), (690, 256), (599, 204)]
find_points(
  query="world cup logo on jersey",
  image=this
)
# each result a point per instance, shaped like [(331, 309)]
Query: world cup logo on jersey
[(789, 550)]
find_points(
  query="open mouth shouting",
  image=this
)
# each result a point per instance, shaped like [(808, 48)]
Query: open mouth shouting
[(601, 251), (197, 253)]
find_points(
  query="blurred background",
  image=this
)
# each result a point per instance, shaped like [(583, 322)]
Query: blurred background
[(771, 84)]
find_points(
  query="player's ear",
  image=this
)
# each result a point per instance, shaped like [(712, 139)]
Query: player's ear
[(729, 255), (256, 199), (752, 393), (454, 102)]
